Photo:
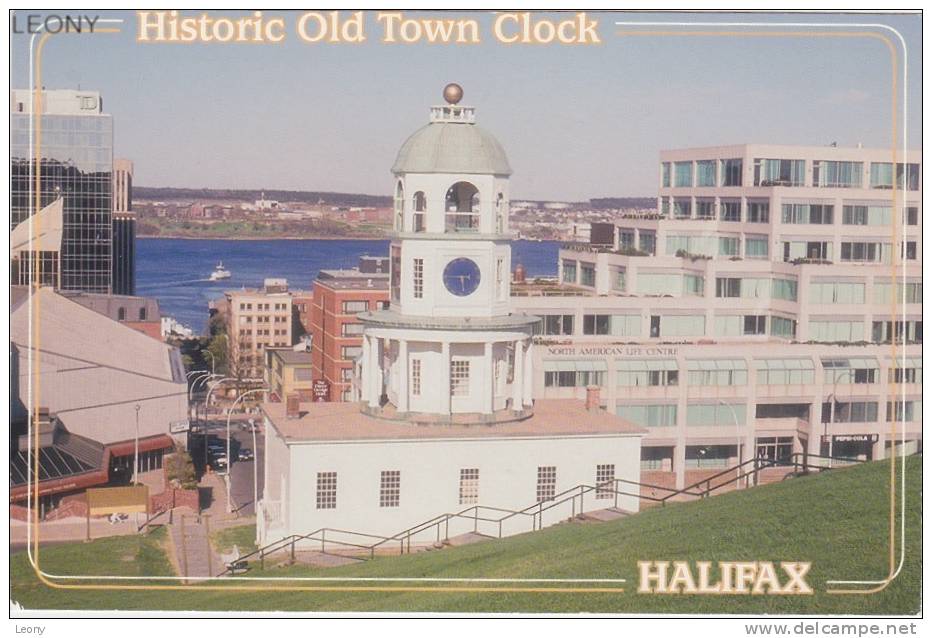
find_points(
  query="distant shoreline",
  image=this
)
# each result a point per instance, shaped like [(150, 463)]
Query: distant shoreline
[(276, 238)]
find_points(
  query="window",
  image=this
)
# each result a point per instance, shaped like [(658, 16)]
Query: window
[(596, 324), (866, 215), (399, 206), (884, 292), (729, 246), (705, 209), (836, 292), (717, 372), (715, 414), (861, 370), (849, 412), (346, 375), (912, 215), (569, 271), (730, 211), (351, 329), (682, 207), (831, 174), (831, 331), (755, 324), (817, 250), (785, 371), (415, 377), (727, 287), (121, 314), (558, 324), (807, 213), (626, 325), (774, 448), (705, 173), (779, 172), (350, 352), (683, 174), (142, 313), (586, 274), (462, 208), (546, 482), (663, 284), (469, 486), (396, 273), (563, 373), (908, 250), (782, 327), (605, 481), (459, 378), (911, 372), (865, 251), (647, 372), (665, 175), (904, 410), (618, 279), (647, 242), (882, 175), (626, 239), (390, 489), (886, 331), (731, 170), (353, 307), (681, 326), (418, 270), (756, 247), (693, 285), (420, 208), (303, 374), (709, 456), (649, 416), (326, 490), (656, 458), (758, 212), (500, 279)]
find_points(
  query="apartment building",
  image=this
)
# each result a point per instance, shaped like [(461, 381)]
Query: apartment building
[(258, 319), (288, 372), (338, 297), (772, 304)]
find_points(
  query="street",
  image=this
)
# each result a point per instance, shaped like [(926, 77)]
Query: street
[(241, 472)]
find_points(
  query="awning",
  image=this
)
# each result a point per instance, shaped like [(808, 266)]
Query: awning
[(126, 448)]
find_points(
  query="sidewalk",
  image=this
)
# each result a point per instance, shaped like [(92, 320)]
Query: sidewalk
[(71, 529)]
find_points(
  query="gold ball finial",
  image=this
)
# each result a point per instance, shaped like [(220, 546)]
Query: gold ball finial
[(453, 93)]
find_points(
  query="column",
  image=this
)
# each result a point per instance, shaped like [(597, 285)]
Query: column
[(529, 374), (375, 372), (679, 464), (517, 385), (364, 378), (446, 395), (403, 370), (488, 392)]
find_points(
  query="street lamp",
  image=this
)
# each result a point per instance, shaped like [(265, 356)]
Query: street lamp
[(738, 431), (213, 361), (255, 470), (136, 449)]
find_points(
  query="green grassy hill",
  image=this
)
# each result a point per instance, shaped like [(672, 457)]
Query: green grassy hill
[(837, 520)]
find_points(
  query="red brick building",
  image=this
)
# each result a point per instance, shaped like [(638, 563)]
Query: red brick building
[(338, 296)]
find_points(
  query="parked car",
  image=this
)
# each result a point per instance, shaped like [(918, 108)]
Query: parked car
[(218, 463), (245, 454)]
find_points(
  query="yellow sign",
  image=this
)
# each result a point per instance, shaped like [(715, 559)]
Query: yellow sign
[(114, 500)]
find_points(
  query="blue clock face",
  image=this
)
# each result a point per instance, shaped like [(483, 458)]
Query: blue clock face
[(461, 277)]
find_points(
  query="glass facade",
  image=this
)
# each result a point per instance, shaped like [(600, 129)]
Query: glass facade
[(76, 164)]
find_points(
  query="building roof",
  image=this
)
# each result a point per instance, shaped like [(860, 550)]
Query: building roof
[(323, 422), (452, 147), (46, 230), (291, 357)]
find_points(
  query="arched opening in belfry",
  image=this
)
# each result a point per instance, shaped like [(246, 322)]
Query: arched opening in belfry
[(462, 208)]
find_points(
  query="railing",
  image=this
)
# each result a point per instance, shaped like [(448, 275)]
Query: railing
[(575, 496)]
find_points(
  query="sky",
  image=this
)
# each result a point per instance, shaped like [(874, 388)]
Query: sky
[(577, 122)]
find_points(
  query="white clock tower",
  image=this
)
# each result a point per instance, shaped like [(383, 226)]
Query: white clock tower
[(449, 348)]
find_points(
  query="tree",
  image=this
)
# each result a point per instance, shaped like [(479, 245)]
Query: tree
[(179, 468)]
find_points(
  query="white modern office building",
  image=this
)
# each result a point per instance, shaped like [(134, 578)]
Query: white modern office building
[(772, 304), (446, 418)]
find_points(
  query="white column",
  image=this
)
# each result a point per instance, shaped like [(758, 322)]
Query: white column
[(488, 398), (375, 379), (365, 383), (517, 386), (447, 407), (403, 371), (529, 374)]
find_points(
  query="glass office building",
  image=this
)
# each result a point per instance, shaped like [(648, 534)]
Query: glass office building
[(76, 162)]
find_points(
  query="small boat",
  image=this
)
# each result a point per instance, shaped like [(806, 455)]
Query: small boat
[(220, 273)]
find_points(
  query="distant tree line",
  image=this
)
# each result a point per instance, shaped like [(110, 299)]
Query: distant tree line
[(308, 197)]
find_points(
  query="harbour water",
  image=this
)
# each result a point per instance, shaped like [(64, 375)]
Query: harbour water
[(177, 271)]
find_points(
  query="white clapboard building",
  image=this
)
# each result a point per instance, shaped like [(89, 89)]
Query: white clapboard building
[(445, 419)]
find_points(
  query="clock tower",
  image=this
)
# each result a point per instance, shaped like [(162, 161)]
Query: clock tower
[(449, 347)]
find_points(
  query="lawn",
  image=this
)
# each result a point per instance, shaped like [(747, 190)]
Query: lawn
[(837, 520), (242, 536)]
